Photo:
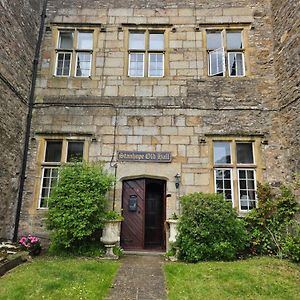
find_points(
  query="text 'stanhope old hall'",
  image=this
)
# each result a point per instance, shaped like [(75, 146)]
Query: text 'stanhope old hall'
[(174, 96)]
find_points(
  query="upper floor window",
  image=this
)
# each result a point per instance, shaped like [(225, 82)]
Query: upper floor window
[(56, 153), (74, 53), (235, 172), (225, 50), (146, 54)]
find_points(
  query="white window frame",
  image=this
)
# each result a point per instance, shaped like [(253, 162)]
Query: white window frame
[(163, 64), (243, 66), (129, 63), (90, 68), (56, 64), (219, 50), (255, 188), (231, 183), (49, 186)]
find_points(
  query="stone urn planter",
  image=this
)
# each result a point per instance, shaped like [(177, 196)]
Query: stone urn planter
[(172, 230), (111, 236)]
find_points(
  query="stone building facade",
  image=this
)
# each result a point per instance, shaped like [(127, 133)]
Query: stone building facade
[(174, 98), (19, 22)]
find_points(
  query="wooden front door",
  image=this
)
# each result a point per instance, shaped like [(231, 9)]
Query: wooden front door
[(143, 203)]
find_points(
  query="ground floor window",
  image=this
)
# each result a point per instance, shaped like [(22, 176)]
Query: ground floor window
[(56, 152), (235, 163)]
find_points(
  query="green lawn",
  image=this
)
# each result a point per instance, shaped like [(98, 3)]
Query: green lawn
[(59, 279), (256, 278)]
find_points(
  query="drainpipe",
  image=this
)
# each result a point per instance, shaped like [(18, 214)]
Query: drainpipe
[(28, 121)]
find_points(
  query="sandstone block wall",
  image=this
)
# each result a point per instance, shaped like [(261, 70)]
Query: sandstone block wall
[(287, 60), (19, 22), (176, 113)]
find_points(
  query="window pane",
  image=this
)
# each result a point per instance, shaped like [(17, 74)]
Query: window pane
[(156, 41), (85, 40), (223, 183), (49, 179), (75, 151), (247, 195), (244, 153), (214, 40), (136, 64), (222, 153), (234, 40), (63, 64), (136, 40), (83, 67), (216, 62), (53, 151), (156, 67), (65, 40), (236, 64)]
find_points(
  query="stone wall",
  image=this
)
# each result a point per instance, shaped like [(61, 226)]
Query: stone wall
[(178, 113), (287, 60), (19, 24)]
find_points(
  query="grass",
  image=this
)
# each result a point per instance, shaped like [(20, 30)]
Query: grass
[(59, 278), (256, 278)]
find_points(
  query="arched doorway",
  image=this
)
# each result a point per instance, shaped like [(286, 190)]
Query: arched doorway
[(144, 210)]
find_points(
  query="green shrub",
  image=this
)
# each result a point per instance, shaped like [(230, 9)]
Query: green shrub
[(77, 204), (291, 245), (209, 229), (270, 224)]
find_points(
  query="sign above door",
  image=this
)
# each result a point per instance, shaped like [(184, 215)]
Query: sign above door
[(143, 156)]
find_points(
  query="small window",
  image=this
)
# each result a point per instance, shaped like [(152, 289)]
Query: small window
[(85, 40), (65, 40), (225, 50), (74, 57), (247, 189), (223, 183), (222, 153), (244, 153), (146, 54), (136, 41), (53, 151), (75, 151)]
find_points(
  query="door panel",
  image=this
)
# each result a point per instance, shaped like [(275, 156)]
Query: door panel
[(154, 214), (143, 225), (132, 235)]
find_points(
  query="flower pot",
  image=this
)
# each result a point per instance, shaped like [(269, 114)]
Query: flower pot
[(111, 236)]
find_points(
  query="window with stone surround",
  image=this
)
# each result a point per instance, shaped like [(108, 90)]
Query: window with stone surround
[(56, 152), (146, 53), (74, 53), (225, 52), (235, 164)]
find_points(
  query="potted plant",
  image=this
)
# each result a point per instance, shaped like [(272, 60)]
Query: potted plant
[(31, 244), (111, 232)]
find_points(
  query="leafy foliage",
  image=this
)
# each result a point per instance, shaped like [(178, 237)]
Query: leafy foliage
[(77, 204), (272, 225), (113, 215), (209, 229)]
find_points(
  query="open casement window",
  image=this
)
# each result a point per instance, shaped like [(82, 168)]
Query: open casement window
[(56, 153), (146, 54), (225, 48), (235, 172), (217, 62), (74, 47)]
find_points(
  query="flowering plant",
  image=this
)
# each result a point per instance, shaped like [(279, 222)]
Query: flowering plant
[(31, 243)]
